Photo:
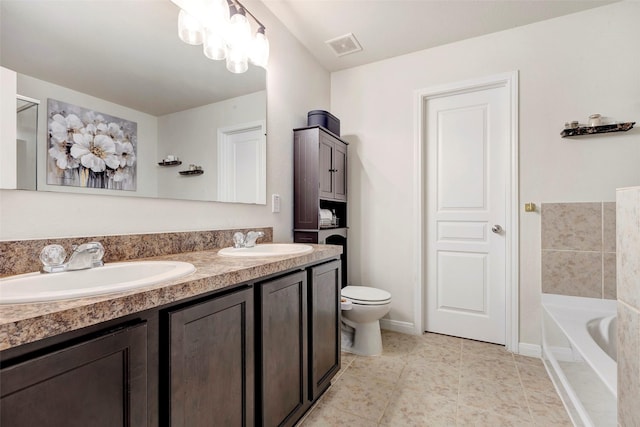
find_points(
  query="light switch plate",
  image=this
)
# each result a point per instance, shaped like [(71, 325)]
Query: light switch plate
[(275, 203)]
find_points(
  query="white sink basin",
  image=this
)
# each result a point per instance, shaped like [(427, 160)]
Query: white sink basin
[(267, 249), (115, 277)]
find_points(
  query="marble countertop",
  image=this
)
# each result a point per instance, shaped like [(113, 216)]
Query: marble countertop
[(25, 323)]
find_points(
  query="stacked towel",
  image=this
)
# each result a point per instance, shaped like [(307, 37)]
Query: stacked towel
[(326, 218)]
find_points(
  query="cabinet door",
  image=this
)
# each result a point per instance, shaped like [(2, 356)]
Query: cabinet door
[(305, 179), (211, 380), (98, 382), (326, 169), (340, 171), (324, 341), (283, 331)]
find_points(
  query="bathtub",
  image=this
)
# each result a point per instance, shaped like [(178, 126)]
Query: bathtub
[(579, 352)]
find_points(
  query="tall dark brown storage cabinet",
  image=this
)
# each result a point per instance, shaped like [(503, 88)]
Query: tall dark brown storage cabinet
[(320, 182)]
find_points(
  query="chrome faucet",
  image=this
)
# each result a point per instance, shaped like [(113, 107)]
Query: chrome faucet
[(248, 241), (252, 236), (86, 255)]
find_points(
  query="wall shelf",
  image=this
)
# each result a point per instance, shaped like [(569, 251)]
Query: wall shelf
[(170, 163), (592, 130), (191, 173)]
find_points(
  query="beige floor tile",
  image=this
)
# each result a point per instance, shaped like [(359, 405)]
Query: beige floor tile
[(438, 380), (366, 398), (546, 407), (535, 378), (324, 415), (347, 357), (345, 362), (499, 397), (431, 381), (527, 360), (469, 416), (395, 344), (429, 355), (485, 350), (439, 340), (382, 368), (410, 408), (490, 369)]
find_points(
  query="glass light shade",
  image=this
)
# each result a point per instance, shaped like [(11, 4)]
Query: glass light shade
[(214, 45), (216, 15), (239, 32), (237, 60), (259, 54), (190, 30)]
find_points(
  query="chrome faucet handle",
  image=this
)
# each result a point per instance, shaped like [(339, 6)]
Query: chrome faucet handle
[(251, 238), (97, 252), (86, 255), (238, 239), (52, 258)]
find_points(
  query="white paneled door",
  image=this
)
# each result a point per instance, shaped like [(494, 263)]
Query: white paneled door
[(467, 158)]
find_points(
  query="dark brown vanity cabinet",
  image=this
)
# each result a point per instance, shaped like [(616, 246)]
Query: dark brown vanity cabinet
[(211, 362), (96, 381), (257, 354), (299, 341)]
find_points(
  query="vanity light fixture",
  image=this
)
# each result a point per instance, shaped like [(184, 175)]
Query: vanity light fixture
[(223, 29)]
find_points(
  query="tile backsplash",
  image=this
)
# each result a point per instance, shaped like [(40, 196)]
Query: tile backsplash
[(22, 256), (579, 249)]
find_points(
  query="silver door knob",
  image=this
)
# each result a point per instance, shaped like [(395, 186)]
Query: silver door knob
[(496, 229)]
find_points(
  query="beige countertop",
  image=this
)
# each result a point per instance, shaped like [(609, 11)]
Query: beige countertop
[(25, 323)]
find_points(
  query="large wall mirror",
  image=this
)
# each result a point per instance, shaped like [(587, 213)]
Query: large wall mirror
[(122, 62)]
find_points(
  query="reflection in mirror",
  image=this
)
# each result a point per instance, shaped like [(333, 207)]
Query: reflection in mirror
[(124, 59), (26, 137)]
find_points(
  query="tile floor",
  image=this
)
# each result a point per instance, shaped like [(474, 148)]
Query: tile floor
[(437, 380)]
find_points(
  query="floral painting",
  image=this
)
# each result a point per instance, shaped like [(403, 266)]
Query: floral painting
[(90, 149)]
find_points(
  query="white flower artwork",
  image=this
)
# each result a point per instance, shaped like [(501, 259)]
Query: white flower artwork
[(90, 149)]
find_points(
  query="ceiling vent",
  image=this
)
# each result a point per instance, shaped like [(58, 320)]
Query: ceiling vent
[(344, 45)]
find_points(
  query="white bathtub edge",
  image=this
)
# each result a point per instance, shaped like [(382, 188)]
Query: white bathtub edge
[(571, 315)]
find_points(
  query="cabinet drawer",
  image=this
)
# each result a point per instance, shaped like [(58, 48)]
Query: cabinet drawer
[(305, 237)]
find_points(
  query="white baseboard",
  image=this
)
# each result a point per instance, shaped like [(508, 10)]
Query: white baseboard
[(530, 350), (398, 326)]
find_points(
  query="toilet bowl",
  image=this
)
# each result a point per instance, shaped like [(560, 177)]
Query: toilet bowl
[(361, 321)]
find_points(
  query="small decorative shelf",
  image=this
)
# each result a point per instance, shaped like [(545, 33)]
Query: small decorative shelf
[(170, 163), (192, 173), (592, 130)]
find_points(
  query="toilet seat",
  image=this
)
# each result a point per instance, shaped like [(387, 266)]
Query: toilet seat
[(364, 295)]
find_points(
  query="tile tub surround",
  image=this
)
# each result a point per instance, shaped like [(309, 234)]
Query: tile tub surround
[(22, 256), (628, 262), (24, 323), (437, 380), (579, 249)]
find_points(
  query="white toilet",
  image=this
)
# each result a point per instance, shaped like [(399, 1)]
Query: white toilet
[(361, 313)]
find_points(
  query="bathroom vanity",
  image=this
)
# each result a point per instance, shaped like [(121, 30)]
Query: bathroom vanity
[(251, 341)]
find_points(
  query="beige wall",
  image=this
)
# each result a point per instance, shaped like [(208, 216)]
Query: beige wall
[(628, 241), (295, 84), (569, 68)]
